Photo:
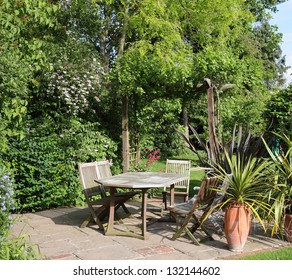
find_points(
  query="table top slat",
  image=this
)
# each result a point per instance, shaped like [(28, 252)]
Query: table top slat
[(142, 180)]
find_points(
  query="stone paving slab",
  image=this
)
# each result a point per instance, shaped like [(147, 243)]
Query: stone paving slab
[(58, 236)]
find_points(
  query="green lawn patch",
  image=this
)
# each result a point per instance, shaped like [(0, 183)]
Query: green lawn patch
[(278, 254)]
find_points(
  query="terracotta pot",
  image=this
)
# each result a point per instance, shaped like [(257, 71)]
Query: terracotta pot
[(288, 227), (237, 226)]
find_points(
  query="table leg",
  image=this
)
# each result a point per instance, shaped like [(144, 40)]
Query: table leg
[(111, 217), (144, 213), (172, 194), (111, 231)]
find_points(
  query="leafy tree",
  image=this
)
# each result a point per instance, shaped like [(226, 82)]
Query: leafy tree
[(279, 111), (260, 8), (247, 55), (268, 40), (138, 41), (271, 54), (227, 54), (160, 117), (13, 87), (25, 28), (165, 49)]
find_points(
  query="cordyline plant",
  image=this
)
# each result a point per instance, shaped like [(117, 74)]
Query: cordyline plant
[(247, 186), (243, 144), (241, 165), (281, 195)]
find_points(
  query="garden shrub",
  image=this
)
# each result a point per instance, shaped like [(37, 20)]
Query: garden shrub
[(45, 163)]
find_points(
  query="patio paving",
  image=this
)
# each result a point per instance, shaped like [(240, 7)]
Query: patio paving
[(59, 237)]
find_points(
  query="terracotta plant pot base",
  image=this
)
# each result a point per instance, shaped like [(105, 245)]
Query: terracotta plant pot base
[(237, 226)]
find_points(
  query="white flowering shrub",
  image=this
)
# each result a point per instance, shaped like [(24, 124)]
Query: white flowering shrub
[(75, 85), (6, 203)]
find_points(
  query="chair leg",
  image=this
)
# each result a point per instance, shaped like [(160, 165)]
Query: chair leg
[(125, 208), (188, 232), (191, 236), (95, 216), (198, 224), (86, 221), (194, 227), (184, 228)]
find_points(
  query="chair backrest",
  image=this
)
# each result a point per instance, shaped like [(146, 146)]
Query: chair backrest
[(206, 194), (88, 173), (104, 171), (91, 171), (182, 167), (104, 168), (223, 188)]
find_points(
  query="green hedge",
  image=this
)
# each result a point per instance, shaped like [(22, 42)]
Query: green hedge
[(45, 164)]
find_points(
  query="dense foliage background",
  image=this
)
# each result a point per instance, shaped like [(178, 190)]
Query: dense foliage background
[(65, 67)]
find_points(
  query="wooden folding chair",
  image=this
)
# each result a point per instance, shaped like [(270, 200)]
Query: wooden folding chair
[(96, 196), (182, 167), (214, 215), (202, 201)]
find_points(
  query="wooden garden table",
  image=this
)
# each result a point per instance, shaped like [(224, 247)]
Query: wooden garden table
[(142, 181)]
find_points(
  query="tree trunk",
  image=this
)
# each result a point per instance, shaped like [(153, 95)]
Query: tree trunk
[(213, 141), (125, 105), (185, 121), (102, 50), (125, 134)]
